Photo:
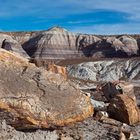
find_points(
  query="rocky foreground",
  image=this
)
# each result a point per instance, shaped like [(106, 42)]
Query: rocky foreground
[(57, 85)]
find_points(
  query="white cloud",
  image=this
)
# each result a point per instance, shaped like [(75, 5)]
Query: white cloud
[(109, 29), (66, 7)]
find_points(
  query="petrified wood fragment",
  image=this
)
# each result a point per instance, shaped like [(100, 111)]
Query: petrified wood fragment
[(32, 97)]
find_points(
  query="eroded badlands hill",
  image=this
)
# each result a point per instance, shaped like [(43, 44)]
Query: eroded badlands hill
[(58, 43)]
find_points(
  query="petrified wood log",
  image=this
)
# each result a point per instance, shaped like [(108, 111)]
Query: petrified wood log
[(124, 109), (32, 97)]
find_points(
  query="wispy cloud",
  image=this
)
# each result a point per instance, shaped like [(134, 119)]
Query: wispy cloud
[(109, 29), (66, 7), (107, 15)]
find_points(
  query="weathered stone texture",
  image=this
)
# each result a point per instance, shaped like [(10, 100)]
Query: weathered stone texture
[(38, 98), (124, 109)]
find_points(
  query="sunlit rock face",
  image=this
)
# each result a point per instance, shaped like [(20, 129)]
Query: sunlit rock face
[(32, 97), (124, 109)]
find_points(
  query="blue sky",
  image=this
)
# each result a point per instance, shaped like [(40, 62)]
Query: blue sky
[(85, 16)]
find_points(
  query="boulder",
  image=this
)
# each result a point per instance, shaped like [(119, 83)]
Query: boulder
[(111, 89), (32, 97), (123, 108)]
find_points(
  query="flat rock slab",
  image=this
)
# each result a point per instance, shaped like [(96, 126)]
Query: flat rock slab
[(32, 97)]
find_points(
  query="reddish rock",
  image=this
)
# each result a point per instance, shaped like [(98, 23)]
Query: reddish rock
[(123, 108), (50, 66), (111, 89), (32, 97), (58, 69), (127, 89)]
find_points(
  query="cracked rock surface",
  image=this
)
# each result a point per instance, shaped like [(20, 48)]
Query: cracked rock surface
[(31, 97)]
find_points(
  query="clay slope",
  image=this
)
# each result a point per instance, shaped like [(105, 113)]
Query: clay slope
[(8, 42), (105, 71), (35, 98), (58, 43)]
